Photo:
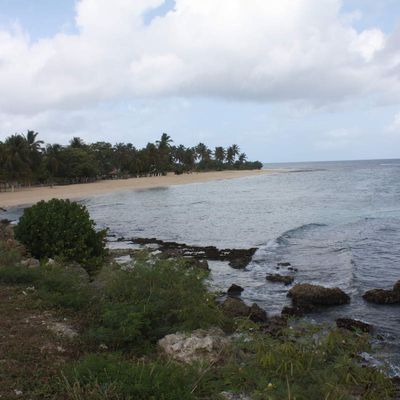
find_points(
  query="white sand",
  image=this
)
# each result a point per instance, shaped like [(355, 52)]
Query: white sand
[(84, 190)]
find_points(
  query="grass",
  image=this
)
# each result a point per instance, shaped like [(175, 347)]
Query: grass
[(128, 311)]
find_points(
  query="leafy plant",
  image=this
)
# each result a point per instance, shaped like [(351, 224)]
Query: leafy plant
[(152, 300), (61, 228)]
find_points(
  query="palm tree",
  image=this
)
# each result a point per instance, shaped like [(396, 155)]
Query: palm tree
[(34, 145), (164, 142), (242, 158), (16, 158), (219, 154), (179, 154), (77, 143), (202, 151), (231, 153), (52, 160)]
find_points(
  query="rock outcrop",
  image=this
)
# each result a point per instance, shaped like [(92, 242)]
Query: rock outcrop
[(353, 325), (235, 290), (306, 297), (384, 296), (238, 258), (286, 279), (199, 345), (235, 308)]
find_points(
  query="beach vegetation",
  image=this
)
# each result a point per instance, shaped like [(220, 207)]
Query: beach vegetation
[(122, 312), (26, 160), (63, 229)]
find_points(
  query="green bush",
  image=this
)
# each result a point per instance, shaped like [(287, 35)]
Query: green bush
[(17, 274), (111, 377), (60, 228), (61, 287), (152, 300)]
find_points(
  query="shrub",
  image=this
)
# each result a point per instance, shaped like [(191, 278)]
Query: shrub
[(17, 274), (9, 255), (60, 228), (61, 287), (152, 300)]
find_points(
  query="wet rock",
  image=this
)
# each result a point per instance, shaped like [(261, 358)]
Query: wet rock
[(235, 290), (292, 269), (30, 263), (305, 295), (235, 308), (257, 314), (284, 264), (297, 310), (396, 287), (238, 258), (353, 325), (199, 345), (286, 279), (382, 296)]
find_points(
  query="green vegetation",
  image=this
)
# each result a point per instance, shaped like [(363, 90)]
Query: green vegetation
[(24, 160), (121, 313), (154, 299), (114, 377), (60, 228)]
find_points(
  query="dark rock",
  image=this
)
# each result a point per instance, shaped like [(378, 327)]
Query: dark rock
[(234, 308), (353, 325), (292, 269), (297, 311), (396, 287), (305, 294), (235, 290), (195, 263), (382, 296), (286, 279), (275, 325), (284, 264), (257, 314), (238, 258)]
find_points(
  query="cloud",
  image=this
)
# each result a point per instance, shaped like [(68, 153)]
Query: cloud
[(394, 127), (303, 50)]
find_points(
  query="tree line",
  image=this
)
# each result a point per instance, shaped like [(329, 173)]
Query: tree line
[(24, 159)]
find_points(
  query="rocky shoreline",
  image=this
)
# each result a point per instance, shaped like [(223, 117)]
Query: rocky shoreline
[(237, 258)]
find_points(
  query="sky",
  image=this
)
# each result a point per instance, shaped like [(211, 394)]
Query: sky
[(287, 80)]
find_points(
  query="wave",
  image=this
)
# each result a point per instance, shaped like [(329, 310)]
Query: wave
[(283, 238)]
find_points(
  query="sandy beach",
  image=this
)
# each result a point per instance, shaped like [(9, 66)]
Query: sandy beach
[(80, 191)]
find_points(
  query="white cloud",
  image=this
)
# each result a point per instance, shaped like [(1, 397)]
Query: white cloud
[(394, 126), (275, 50)]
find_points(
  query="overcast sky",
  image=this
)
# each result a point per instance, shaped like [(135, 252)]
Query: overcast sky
[(287, 80)]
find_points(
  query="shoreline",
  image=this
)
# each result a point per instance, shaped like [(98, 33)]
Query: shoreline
[(32, 195)]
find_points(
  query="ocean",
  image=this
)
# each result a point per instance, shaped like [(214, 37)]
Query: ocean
[(338, 223)]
